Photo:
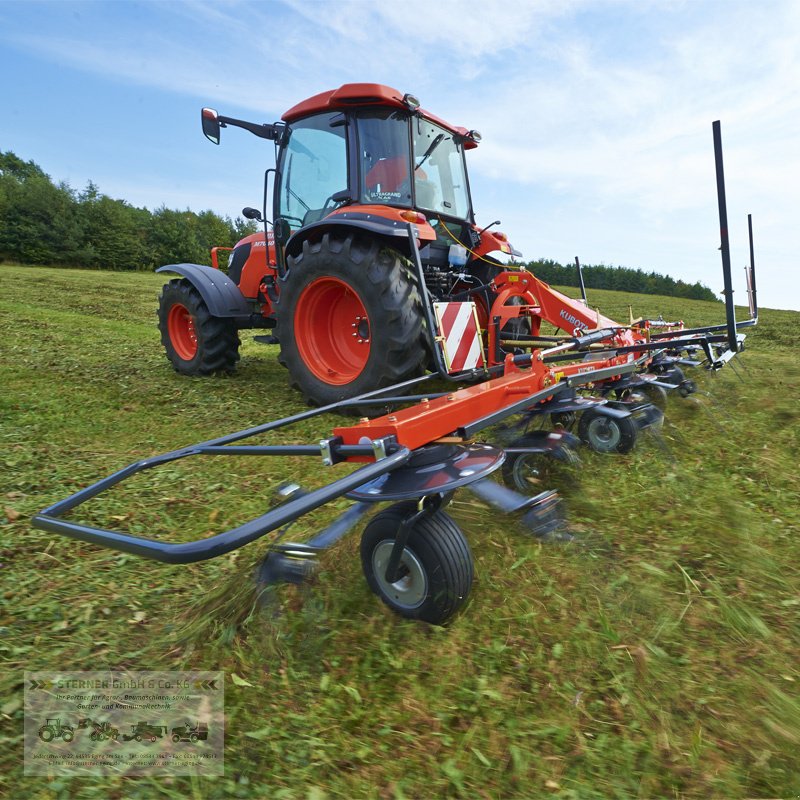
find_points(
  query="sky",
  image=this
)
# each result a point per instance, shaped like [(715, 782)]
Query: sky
[(596, 115)]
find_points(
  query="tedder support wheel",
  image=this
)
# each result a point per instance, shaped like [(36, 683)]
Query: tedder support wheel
[(196, 342), (531, 473), (657, 395), (605, 434), (349, 319), (436, 566)]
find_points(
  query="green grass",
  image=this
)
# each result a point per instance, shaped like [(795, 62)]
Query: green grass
[(657, 658)]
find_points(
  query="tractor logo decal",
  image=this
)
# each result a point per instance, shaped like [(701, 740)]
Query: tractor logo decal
[(573, 320)]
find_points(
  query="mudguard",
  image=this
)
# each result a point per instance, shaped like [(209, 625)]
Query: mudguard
[(371, 223), (221, 294)]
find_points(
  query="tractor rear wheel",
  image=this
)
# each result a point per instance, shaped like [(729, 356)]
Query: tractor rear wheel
[(349, 319), (196, 343), (436, 566)]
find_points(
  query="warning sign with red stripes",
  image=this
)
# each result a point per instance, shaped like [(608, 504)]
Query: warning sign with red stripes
[(460, 335)]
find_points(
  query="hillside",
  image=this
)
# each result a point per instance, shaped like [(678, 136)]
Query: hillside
[(655, 657)]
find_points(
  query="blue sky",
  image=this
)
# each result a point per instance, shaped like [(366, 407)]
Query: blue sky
[(596, 115)]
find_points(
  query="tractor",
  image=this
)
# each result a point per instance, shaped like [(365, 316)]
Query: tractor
[(53, 729), (190, 733), (100, 730), (335, 277)]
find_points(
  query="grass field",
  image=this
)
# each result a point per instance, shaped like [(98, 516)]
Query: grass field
[(657, 657)]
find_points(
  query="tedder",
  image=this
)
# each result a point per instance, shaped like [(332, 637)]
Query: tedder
[(376, 279)]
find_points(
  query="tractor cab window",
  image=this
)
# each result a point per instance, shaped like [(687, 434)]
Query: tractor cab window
[(384, 157), (440, 178), (313, 169)]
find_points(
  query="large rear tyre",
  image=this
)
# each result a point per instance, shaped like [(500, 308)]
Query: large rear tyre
[(349, 319), (195, 342), (436, 564)]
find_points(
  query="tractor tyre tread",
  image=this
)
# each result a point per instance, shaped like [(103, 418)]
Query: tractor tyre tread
[(387, 288), (217, 337)]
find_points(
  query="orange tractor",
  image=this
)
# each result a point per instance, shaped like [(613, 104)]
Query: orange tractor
[(355, 304)]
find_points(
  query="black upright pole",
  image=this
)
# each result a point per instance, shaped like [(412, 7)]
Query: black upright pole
[(752, 281), (730, 312), (580, 281)]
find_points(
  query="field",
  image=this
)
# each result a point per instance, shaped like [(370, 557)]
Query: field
[(655, 657)]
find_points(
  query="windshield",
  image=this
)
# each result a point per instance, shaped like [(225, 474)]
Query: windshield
[(440, 180), (439, 177)]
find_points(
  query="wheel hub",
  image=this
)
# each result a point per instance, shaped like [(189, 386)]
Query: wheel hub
[(604, 433), (332, 331), (411, 588), (180, 325)]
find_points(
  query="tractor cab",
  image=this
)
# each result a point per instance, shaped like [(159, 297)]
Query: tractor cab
[(370, 152), (385, 157)]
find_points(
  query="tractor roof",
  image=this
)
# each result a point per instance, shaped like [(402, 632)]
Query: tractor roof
[(363, 95)]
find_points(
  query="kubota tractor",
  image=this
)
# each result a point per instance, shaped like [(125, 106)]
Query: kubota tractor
[(334, 276)]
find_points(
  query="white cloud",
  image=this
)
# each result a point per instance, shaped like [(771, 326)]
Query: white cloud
[(596, 115)]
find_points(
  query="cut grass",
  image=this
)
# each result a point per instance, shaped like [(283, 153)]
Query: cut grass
[(654, 658)]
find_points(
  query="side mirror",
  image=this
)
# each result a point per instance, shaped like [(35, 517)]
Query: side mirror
[(211, 126), (282, 230), (252, 213)]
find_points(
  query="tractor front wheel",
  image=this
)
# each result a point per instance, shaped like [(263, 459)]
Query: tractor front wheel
[(436, 568), (68, 734), (196, 343), (349, 319)]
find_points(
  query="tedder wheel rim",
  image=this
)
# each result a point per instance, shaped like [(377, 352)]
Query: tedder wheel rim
[(411, 589), (180, 325), (604, 433), (332, 331)]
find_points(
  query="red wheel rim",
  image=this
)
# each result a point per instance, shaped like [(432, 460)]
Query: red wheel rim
[(332, 331), (180, 326)]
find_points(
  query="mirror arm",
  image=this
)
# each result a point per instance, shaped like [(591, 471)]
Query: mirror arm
[(264, 131)]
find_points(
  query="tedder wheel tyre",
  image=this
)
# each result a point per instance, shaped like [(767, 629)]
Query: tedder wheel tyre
[(605, 434), (196, 343), (657, 395), (673, 375), (193, 738), (531, 473), (349, 319), (436, 564)]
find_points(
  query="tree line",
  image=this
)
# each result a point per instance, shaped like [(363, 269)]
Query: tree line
[(623, 279), (42, 222)]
